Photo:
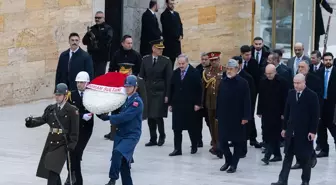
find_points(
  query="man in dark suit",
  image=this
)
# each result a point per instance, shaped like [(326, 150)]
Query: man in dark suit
[(98, 40), (85, 128), (71, 62), (328, 75), (259, 51), (149, 28), (172, 32), (300, 124), (156, 72), (316, 61), (245, 75), (185, 100), (251, 66), (282, 70), (319, 25), (299, 56), (126, 55), (314, 83), (205, 64)]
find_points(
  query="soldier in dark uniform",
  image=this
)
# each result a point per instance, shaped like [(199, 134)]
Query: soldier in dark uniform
[(85, 128), (126, 68), (211, 78), (156, 71), (63, 120), (98, 41)]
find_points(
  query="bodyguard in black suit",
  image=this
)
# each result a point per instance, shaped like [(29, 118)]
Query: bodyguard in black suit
[(172, 32), (300, 124), (319, 26), (85, 127), (149, 28), (185, 100), (245, 75), (71, 62), (316, 61), (251, 66), (259, 52), (328, 75)]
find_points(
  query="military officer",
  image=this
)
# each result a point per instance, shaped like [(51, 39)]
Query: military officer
[(211, 78), (128, 131), (156, 70), (85, 127), (63, 120), (127, 68)]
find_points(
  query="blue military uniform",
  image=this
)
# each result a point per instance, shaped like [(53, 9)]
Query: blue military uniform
[(128, 132)]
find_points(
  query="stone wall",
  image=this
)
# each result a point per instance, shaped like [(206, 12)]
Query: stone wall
[(208, 25), (32, 35)]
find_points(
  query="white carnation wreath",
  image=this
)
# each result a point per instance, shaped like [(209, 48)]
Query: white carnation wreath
[(100, 102)]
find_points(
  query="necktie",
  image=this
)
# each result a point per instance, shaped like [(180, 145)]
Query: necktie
[(298, 96), (257, 57), (182, 74), (315, 68), (297, 61), (245, 64), (81, 94), (154, 62), (72, 54), (326, 76)]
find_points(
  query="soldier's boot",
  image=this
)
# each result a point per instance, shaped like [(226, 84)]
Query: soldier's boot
[(67, 181), (111, 182)]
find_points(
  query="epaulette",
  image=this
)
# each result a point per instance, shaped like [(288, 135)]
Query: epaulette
[(140, 78), (145, 56), (165, 57)]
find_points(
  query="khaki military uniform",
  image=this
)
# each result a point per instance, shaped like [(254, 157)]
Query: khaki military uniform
[(211, 78)]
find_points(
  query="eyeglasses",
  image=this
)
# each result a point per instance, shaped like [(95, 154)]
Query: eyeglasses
[(74, 40), (98, 17)]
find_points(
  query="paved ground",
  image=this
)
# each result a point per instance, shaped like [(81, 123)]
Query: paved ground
[(21, 148)]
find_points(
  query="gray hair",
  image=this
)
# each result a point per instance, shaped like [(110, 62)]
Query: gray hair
[(232, 63), (301, 77), (186, 58), (99, 12), (204, 54)]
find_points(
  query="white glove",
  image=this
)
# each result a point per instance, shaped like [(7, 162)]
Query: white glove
[(87, 116)]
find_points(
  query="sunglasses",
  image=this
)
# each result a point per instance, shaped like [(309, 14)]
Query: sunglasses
[(98, 17)]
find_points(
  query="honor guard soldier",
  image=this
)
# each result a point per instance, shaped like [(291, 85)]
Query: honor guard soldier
[(211, 78), (85, 128), (127, 68), (128, 131), (63, 120), (156, 70)]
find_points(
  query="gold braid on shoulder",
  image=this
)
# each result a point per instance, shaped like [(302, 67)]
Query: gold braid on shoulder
[(68, 96), (211, 81)]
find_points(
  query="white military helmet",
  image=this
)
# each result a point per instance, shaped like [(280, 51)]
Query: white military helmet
[(83, 76)]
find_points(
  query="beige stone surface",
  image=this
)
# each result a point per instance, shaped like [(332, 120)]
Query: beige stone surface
[(31, 44), (226, 33)]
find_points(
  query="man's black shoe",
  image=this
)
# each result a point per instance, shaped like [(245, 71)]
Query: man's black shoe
[(231, 169), (276, 159), (111, 182), (322, 154), (151, 144), (225, 167), (176, 153), (296, 166)]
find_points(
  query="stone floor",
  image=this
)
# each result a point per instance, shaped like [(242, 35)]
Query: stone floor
[(21, 148)]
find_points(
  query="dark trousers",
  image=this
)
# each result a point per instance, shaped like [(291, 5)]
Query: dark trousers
[(120, 165), (213, 128), (287, 164), (273, 147), (77, 154), (204, 113), (152, 124), (99, 68), (326, 123), (252, 130), (230, 158), (193, 135), (54, 178)]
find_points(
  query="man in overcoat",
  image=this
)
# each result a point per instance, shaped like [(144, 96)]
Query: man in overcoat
[(271, 105), (172, 31), (129, 123), (301, 118), (71, 62), (149, 28), (62, 118), (233, 112), (185, 100), (156, 71)]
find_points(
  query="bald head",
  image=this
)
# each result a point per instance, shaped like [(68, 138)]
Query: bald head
[(303, 68), (298, 49), (299, 82), (270, 71)]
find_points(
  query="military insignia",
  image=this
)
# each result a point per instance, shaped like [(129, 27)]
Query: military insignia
[(212, 54), (65, 116), (135, 104)]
